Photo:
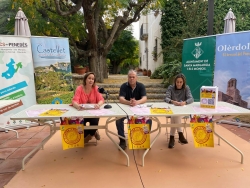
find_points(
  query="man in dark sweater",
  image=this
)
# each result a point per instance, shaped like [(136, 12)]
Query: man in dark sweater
[(131, 93)]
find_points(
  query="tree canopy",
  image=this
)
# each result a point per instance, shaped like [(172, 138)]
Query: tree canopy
[(5, 16), (92, 26), (124, 51)]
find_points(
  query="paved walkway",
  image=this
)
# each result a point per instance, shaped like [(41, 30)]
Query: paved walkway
[(13, 150), (76, 168)]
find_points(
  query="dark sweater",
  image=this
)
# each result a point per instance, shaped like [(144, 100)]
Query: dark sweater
[(127, 92), (183, 94)]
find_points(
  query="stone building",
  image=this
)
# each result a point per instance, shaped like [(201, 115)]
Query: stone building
[(150, 41), (233, 94)]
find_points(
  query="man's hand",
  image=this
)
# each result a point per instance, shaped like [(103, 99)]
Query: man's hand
[(133, 102)]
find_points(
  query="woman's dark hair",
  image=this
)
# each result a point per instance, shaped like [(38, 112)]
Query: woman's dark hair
[(183, 78), (86, 76)]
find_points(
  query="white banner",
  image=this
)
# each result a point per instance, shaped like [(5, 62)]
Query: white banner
[(16, 75)]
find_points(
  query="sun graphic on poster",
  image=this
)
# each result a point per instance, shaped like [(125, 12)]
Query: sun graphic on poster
[(137, 136), (57, 101)]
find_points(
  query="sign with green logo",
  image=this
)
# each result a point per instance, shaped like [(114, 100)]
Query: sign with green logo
[(198, 57)]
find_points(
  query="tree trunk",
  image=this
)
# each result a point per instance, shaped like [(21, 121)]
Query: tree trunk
[(115, 67), (106, 70), (97, 62)]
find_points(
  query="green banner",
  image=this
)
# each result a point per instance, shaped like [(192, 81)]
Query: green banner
[(198, 57)]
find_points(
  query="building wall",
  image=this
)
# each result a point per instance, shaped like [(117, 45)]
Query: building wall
[(146, 47), (233, 94)]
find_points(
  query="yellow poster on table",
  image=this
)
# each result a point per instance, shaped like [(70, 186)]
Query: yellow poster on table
[(54, 112), (161, 111), (203, 134), (72, 136), (138, 136)]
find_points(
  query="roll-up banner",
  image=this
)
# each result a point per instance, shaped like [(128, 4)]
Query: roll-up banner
[(16, 78), (232, 68), (53, 77), (198, 63)]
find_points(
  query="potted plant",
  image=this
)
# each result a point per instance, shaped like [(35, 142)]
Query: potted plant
[(149, 73), (144, 72), (139, 70), (82, 65), (154, 54), (81, 70), (86, 64), (87, 68), (76, 66)]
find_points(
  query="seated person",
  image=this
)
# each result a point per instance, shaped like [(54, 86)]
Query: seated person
[(131, 93), (87, 93), (178, 94)]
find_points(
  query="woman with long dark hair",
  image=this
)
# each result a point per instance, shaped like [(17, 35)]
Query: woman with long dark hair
[(178, 94)]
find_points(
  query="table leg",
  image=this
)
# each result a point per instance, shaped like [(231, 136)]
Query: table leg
[(5, 128), (152, 143), (52, 131), (110, 120), (220, 137)]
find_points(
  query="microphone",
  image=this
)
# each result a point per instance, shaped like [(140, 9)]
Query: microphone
[(101, 90)]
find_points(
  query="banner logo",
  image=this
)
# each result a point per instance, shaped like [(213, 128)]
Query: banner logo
[(197, 52), (12, 68)]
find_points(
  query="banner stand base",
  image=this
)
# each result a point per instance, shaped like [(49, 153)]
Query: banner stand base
[(13, 127)]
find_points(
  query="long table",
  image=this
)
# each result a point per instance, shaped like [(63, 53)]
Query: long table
[(120, 111), (116, 113), (223, 108)]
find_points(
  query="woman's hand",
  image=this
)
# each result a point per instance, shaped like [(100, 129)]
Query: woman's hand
[(182, 103), (97, 106), (80, 107), (176, 103)]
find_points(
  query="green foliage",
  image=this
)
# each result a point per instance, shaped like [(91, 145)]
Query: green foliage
[(124, 71), (44, 20), (167, 72), (6, 17), (240, 9), (124, 52), (52, 81), (178, 23), (92, 26), (47, 99)]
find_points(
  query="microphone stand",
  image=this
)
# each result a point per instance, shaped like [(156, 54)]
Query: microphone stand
[(107, 106)]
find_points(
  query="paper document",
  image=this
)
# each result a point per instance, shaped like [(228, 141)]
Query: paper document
[(88, 106), (101, 112), (142, 110)]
